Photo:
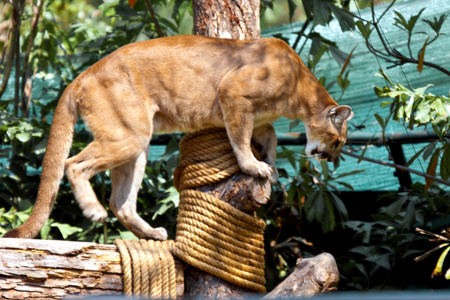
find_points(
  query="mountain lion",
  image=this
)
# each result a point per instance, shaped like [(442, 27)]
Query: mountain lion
[(182, 83)]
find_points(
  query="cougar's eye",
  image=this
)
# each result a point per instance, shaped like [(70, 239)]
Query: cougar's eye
[(336, 144)]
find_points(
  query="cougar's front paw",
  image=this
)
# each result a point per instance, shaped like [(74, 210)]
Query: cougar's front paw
[(273, 175), (258, 169)]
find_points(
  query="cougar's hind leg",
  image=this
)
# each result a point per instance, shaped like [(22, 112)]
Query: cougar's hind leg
[(98, 156), (126, 180)]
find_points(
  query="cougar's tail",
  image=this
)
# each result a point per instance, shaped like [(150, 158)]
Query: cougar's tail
[(58, 147)]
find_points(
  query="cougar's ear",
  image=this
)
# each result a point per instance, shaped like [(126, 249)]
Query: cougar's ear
[(339, 114)]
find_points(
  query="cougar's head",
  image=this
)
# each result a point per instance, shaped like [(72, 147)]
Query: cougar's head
[(327, 134)]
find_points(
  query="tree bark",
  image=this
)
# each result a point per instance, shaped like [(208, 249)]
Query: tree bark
[(38, 269), (233, 19)]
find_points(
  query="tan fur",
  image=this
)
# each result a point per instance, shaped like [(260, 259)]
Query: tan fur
[(182, 83)]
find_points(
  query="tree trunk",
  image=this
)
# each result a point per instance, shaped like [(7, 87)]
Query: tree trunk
[(233, 19)]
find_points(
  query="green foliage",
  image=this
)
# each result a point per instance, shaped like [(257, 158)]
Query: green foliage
[(310, 197), (407, 26), (24, 140), (436, 26), (418, 108), (415, 108), (389, 240), (23, 145)]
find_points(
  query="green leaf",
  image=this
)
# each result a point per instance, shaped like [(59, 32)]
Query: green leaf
[(415, 156), (127, 235), (445, 164), (66, 229), (422, 90), (410, 216), (365, 30), (308, 6), (23, 137), (400, 21), (394, 208), (321, 12), (429, 150), (380, 120), (292, 6), (431, 169), (331, 218), (291, 194), (319, 206), (407, 26), (422, 115), (340, 206), (349, 174), (339, 55), (45, 230), (436, 24), (344, 17)]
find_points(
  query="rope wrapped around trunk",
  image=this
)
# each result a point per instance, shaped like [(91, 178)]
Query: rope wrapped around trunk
[(211, 234)]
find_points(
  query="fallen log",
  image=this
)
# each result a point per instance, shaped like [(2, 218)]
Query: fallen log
[(311, 276), (37, 269)]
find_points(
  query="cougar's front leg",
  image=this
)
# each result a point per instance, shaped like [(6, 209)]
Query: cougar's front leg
[(265, 137), (238, 118), (126, 181)]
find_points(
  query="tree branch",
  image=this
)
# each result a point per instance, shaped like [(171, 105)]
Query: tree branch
[(150, 9), (301, 32), (401, 59), (9, 57), (399, 167), (26, 72)]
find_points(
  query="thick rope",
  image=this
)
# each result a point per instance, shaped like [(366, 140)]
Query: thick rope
[(211, 234), (205, 157), (148, 268)]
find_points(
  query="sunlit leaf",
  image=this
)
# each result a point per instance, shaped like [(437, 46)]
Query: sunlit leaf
[(66, 229), (438, 269)]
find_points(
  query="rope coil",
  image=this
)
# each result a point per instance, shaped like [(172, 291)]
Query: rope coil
[(211, 234), (148, 268)]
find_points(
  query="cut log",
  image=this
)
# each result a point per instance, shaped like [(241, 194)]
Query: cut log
[(37, 269), (311, 276)]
